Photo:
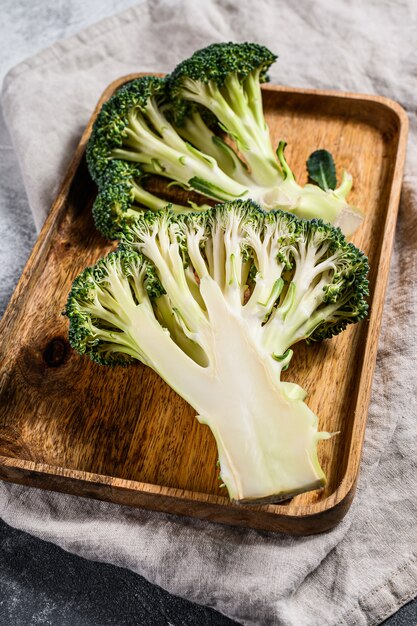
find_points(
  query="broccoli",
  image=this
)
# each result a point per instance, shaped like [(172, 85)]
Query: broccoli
[(122, 196), (132, 130), (224, 80), (201, 128), (213, 302)]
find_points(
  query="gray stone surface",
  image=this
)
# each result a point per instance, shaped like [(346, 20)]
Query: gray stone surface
[(39, 582), (42, 584)]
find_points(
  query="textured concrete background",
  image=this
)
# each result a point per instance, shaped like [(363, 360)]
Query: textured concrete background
[(39, 582), (42, 584)]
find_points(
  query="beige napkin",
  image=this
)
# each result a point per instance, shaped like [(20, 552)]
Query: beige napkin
[(366, 568)]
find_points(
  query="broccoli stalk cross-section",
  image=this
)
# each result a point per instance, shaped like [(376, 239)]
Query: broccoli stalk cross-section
[(213, 303), (201, 128)]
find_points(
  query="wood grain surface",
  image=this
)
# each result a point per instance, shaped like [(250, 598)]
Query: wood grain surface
[(122, 434)]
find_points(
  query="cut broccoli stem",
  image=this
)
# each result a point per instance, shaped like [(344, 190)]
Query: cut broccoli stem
[(308, 201), (270, 421), (260, 455)]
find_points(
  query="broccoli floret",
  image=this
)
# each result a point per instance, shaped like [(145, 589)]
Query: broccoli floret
[(225, 78), (213, 302), (111, 130), (132, 128), (122, 197)]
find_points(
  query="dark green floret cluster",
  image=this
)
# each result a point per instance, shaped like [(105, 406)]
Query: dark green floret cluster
[(219, 62)]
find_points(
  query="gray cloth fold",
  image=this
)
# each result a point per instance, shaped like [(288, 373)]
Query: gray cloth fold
[(366, 568)]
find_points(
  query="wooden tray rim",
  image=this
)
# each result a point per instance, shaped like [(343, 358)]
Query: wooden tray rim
[(347, 485)]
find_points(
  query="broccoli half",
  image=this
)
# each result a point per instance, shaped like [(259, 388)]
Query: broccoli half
[(201, 128), (213, 303)]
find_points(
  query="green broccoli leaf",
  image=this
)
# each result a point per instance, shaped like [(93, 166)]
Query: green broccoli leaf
[(321, 169)]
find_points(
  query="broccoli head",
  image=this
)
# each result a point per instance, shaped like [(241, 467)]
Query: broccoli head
[(213, 302)]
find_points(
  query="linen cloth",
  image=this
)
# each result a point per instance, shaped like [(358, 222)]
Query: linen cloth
[(366, 568)]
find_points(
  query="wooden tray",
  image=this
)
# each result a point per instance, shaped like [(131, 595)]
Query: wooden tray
[(123, 435)]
